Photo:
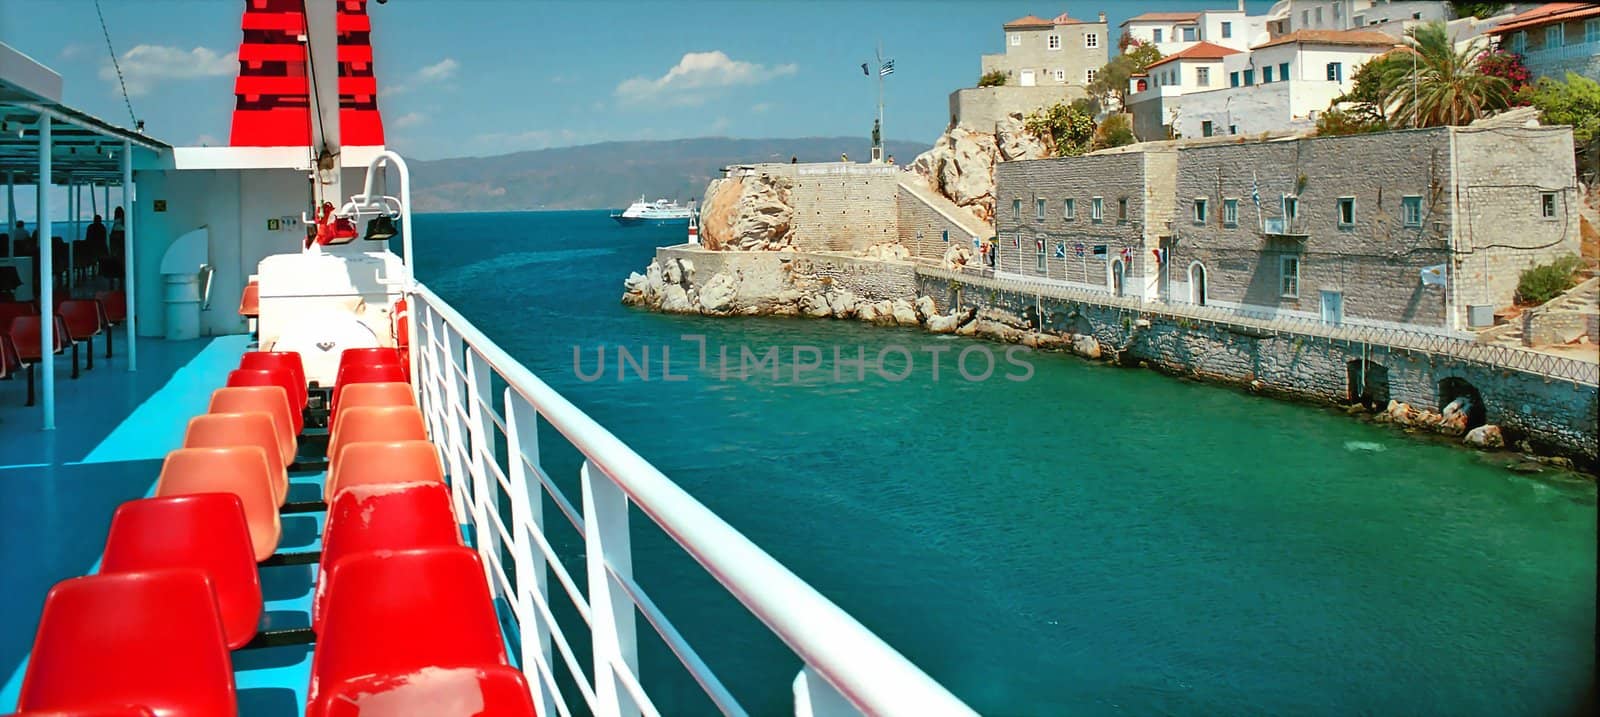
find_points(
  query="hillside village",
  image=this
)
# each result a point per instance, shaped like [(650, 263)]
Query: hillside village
[(1398, 174)]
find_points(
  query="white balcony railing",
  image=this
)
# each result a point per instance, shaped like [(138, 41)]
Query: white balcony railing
[(1572, 51), (498, 494)]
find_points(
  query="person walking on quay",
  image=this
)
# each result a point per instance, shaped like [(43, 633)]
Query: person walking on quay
[(794, 160)]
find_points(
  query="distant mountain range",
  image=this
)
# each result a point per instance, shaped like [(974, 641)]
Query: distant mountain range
[(613, 174)]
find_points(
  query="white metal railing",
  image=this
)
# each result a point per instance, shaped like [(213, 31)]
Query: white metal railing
[(500, 496), (1494, 355)]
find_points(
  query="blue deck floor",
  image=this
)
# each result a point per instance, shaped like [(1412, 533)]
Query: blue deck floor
[(59, 488)]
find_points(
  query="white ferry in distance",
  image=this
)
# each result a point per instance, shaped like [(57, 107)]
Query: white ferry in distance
[(657, 212)]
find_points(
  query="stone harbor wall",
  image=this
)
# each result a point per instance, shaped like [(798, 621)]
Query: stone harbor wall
[(1414, 388), (826, 206)]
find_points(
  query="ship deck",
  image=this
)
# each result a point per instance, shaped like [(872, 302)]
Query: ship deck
[(59, 488)]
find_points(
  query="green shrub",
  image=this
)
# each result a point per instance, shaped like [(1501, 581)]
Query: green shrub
[(992, 79), (1545, 282)]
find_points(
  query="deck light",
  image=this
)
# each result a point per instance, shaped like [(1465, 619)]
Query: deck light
[(381, 228)]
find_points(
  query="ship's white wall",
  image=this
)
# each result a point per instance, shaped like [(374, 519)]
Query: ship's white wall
[(235, 204)]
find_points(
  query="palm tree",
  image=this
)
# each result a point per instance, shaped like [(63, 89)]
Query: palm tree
[(1435, 84)]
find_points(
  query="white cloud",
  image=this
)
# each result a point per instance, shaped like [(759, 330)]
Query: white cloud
[(437, 73), (696, 76), (409, 119), (72, 50), (144, 66)]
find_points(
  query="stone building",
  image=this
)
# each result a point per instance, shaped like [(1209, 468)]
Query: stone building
[(1555, 39), (821, 206), (1044, 62), (1094, 221), (1428, 227)]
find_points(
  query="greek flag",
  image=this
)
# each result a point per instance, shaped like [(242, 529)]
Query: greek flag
[(887, 69), (865, 71), (1255, 190)]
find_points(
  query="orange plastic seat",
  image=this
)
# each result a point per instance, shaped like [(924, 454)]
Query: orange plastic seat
[(274, 377), (270, 400), (205, 531), (383, 463), (150, 638), (281, 360), (385, 393), (439, 597), (374, 423), (250, 300), (221, 430), (364, 373), (240, 470), (383, 517), (494, 691)]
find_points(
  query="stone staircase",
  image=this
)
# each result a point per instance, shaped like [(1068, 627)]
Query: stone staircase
[(950, 210)]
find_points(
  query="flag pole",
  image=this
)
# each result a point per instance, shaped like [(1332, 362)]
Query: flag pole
[(880, 100)]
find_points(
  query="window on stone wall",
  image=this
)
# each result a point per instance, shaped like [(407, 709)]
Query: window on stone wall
[(1091, 40), (1230, 212), (1205, 128), (1089, 75), (1519, 42), (1233, 79), (1227, 29), (1249, 77), (1069, 209), (1291, 207), (1016, 209), (1318, 15), (1053, 42), (1039, 255), (1283, 72), (1097, 209), (1016, 39), (1038, 206), (1347, 211), (945, 235), (1202, 76), (1122, 210), (1188, 34), (1547, 205), (1199, 210), (1156, 35), (1289, 276), (1411, 211), (1061, 75), (1266, 75), (1336, 72)]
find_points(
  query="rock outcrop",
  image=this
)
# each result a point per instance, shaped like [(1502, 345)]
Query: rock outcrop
[(1486, 436), (961, 164), (753, 213)]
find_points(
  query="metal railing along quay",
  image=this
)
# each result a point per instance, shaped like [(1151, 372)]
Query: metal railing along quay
[(1436, 344), (500, 493)]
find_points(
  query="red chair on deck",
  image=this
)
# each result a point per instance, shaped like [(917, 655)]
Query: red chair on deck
[(383, 462), (281, 360), (82, 319), (225, 430), (382, 517), (373, 423), (266, 399), (275, 377), (12, 309), (495, 691), (205, 531), (240, 470), (152, 639), (369, 356), (363, 373), (395, 614), (250, 300), (115, 304), (27, 342), (380, 393)]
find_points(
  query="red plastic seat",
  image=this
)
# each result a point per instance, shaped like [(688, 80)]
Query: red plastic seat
[(240, 470), (224, 430), (392, 614), (115, 304), (383, 463), (373, 423), (383, 517), (365, 373), (384, 393), (12, 309), (282, 360), (82, 319), (274, 377), (150, 638), (494, 691), (267, 399), (120, 711), (205, 531), (250, 300), (27, 339)]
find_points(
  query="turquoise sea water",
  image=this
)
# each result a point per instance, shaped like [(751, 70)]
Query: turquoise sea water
[(1091, 540)]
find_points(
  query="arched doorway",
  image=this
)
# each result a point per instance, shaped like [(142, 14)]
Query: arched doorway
[(1197, 283), (1116, 277), (1367, 383), (1453, 388)]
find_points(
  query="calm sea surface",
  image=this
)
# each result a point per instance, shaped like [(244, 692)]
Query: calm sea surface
[(1090, 541)]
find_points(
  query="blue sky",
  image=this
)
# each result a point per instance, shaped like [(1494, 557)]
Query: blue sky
[(478, 77)]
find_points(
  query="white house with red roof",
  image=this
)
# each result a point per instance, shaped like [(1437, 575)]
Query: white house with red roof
[(1174, 32), (1281, 84)]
